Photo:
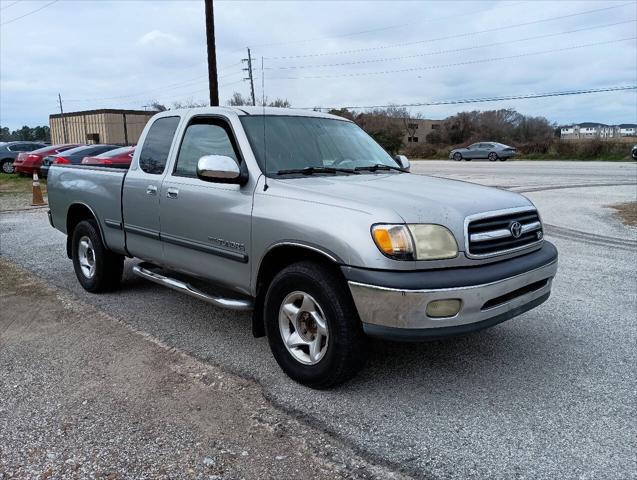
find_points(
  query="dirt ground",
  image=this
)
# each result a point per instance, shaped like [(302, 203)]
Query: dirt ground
[(627, 212), (85, 396)]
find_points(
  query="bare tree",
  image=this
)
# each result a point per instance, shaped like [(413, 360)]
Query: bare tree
[(189, 104), (155, 105), (238, 100), (280, 103)]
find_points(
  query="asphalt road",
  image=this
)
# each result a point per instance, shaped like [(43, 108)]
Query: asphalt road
[(550, 394)]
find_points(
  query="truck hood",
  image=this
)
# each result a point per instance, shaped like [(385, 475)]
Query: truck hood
[(414, 198)]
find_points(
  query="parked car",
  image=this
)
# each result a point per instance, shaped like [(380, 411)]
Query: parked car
[(73, 156), (633, 152), (491, 150), (9, 151), (324, 236), (28, 162), (118, 158)]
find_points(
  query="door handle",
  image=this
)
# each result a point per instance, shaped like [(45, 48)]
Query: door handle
[(151, 190), (172, 193)]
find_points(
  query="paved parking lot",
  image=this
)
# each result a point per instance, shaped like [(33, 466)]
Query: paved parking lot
[(550, 394)]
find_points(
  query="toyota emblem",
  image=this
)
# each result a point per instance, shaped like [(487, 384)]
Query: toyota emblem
[(516, 229)]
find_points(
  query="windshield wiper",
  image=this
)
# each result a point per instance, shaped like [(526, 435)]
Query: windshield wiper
[(379, 166), (312, 170)]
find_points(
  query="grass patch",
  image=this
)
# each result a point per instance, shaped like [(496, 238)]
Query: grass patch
[(14, 183), (627, 212)]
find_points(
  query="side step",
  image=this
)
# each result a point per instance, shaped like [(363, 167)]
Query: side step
[(144, 270)]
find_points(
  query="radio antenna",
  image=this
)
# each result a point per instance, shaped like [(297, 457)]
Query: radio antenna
[(265, 152)]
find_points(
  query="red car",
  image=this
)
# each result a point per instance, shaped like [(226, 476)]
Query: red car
[(119, 158), (29, 162)]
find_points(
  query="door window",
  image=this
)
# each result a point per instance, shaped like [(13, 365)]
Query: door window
[(203, 137), (157, 144)]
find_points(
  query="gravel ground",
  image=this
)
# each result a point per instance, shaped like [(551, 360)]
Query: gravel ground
[(84, 396), (548, 395)]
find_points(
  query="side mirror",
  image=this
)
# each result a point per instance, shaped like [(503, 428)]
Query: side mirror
[(403, 162), (220, 169)]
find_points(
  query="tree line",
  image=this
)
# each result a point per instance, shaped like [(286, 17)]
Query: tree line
[(29, 134), (390, 125)]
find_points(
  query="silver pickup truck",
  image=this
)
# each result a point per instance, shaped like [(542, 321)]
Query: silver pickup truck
[(302, 218)]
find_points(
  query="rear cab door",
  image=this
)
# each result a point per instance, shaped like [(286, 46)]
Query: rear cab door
[(141, 196), (206, 226)]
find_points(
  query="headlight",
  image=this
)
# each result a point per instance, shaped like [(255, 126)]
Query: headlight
[(415, 242)]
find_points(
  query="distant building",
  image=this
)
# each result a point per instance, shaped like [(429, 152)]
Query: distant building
[(627, 129), (417, 129), (120, 127), (589, 130)]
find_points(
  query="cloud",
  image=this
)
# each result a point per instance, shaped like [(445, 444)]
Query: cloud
[(139, 50), (158, 39)]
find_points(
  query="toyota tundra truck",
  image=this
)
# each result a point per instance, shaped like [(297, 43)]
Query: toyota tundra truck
[(303, 219)]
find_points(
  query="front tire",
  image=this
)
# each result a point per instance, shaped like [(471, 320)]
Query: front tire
[(7, 167), (97, 268), (312, 326), (457, 156)]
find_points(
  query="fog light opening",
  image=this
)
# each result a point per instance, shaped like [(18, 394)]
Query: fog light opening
[(443, 308)]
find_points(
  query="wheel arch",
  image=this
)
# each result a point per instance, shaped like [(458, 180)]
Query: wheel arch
[(275, 259), (77, 213)]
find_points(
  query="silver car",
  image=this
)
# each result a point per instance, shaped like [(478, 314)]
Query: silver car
[(301, 218), (491, 150)]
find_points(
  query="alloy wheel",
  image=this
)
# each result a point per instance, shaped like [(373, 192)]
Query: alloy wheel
[(86, 256), (303, 328)]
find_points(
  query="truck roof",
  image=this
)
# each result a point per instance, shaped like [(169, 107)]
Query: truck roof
[(249, 110)]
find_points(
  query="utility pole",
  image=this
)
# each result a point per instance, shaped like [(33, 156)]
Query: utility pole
[(63, 119), (249, 70), (212, 55)]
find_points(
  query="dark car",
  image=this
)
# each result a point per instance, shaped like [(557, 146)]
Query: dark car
[(118, 158), (9, 152), (633, 152), (491, 150), (74, 156)]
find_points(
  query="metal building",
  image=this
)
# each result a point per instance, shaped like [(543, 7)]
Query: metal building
[(119, 127)]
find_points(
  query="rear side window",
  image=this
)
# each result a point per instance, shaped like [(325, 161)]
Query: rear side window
[(157, 145), (203, 137)]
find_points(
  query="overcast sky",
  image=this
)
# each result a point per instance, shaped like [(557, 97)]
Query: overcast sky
[(124, 54)]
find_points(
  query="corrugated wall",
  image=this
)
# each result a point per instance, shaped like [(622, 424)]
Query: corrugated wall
[(115, 128)]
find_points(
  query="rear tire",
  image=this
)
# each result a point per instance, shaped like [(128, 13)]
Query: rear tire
[(97, 268), (7, 167), (493, 157), (312, 325)]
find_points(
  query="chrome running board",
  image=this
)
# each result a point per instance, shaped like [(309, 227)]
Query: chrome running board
[(144, 270)]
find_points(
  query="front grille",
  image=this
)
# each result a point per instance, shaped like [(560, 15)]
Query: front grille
[(493, 235)]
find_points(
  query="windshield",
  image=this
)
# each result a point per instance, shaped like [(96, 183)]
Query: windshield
[(295, 142)]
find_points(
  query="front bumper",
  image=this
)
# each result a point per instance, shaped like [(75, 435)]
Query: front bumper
[(395, 305)]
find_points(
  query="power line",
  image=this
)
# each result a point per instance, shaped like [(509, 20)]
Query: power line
[(468, 62), (492, 99), (378, 29), (10, 5), (460, 35), (29, 13), (454, 50)]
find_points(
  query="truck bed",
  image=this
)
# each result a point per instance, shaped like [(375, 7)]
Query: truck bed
[(97, 188)]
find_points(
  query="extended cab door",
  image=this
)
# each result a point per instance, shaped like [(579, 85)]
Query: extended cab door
[(206, 227), (141, 195)]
